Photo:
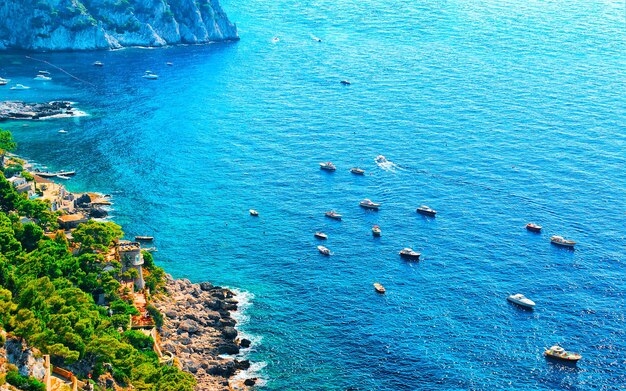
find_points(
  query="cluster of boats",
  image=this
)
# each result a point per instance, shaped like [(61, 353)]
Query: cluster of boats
[(41, 76), (405, 253), (556, 239)]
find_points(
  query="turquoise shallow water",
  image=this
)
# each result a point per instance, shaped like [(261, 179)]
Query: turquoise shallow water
[(493, 113)]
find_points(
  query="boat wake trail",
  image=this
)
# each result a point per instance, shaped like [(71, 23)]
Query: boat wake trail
[(387, 165)]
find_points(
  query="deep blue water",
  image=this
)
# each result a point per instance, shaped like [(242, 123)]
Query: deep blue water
[(495, 113)]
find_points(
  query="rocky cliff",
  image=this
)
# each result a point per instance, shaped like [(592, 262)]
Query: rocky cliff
[(47, 25)]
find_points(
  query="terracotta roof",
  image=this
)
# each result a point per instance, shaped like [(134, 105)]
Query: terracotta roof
[(71, 218), (39, 179)]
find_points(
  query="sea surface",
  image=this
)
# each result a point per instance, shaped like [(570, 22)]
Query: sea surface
[(494, 113)]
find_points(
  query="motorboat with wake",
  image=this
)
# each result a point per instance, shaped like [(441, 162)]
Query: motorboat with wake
[(380, 159)]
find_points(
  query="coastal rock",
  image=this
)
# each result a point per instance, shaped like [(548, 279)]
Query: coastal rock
[(198, 331), (228, 348), (250, 382), (188, 325), (22, 110), (245, 343), (226, 369), (103, 24), (229, 333)]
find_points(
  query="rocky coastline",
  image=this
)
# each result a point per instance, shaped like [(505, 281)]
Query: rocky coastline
[(34, 111), (61, 25), (200, 333)]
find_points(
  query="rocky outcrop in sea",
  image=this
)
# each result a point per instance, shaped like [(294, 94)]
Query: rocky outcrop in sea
[(200, 332), (49, 25), (22, 110)]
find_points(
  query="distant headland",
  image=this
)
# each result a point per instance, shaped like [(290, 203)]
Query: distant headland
[(58, 25)]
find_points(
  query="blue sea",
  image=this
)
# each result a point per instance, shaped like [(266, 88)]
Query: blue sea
[(494, 113)]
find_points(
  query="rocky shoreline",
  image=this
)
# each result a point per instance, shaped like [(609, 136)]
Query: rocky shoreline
[(200, 332), (34, 111)]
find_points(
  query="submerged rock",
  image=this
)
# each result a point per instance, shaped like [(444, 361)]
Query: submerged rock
[(104, 24)]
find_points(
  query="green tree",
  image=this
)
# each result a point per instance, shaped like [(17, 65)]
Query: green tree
[(6, 142), (96, 236)]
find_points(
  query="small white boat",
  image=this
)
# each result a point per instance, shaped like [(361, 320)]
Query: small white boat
[(20, 87), (323, 250), (62, 131), (98, 64), (376, 231), (321, 235), (521, 300), (357, 171), (559, 353), (63, 177), (368, 204), (275, 39), (560, 241), (169, 64), (144, 238), (150, 76), (426, 211), (43, 72), (42, 77), (4, 82), (408, 253), (345, 82), (333, 215), (328, 166), (253, 212), (379, 288)]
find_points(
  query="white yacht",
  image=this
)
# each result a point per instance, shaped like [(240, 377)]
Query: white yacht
[(521, 300), (20, 87), (368, 204), (42, 77), (150, 76)]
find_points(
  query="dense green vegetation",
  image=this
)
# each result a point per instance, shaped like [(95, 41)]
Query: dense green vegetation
[(48, 294)]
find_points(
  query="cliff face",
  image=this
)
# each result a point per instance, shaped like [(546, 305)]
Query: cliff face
[(47, 25)]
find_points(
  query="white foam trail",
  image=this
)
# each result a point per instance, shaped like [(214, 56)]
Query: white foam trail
[(386, 165)]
